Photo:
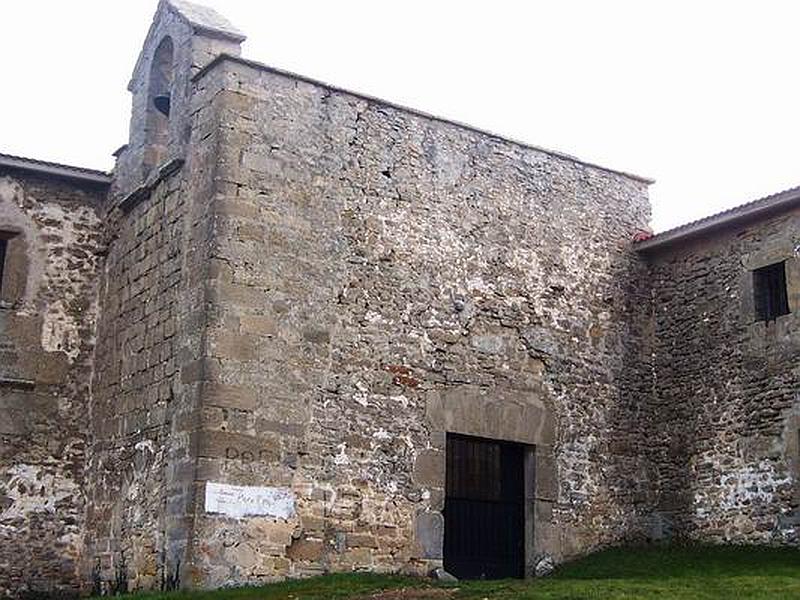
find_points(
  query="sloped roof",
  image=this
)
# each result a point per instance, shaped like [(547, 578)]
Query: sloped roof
[(206, 19), (750, 211), (52, 169), (201, 19)]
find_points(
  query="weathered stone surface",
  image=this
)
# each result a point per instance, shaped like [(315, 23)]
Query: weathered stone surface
[(725, 409), (47, 318), (544, 566), (440, 574), (429, 469), (306, 550), (385, 278), (308, 292), (430, 534), (293, 287)]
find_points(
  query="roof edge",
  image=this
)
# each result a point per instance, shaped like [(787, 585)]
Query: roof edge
[(748, 212), (91, 176), (420, 113), (206, 20), (203, 20)]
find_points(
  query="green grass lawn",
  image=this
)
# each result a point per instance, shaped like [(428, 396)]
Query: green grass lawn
[(667, 573)]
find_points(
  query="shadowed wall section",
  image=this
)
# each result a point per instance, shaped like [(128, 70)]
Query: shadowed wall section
[(48, 308), (726, 405)]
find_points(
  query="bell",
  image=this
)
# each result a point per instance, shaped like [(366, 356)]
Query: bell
[(162, 103)]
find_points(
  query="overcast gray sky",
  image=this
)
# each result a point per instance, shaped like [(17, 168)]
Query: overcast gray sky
[(701, 96)]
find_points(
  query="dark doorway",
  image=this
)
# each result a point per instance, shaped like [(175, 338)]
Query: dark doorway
[(484, 511)]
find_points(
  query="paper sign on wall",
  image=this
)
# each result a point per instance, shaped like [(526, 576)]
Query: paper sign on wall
[(240, 501)]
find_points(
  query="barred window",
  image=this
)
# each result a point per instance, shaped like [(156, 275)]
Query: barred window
[(769, 287)]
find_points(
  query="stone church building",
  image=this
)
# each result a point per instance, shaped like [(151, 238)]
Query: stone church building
[(299, 330)]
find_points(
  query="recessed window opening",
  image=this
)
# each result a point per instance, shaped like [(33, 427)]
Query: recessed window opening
[(162, 104), (3, 249), (769, 288)]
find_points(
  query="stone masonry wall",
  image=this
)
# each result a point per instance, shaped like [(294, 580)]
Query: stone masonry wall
[(150, 367), (47, 321), (727, 406), (134, 392), (311, 290), (192, 50), (380, 278), (150, 357)]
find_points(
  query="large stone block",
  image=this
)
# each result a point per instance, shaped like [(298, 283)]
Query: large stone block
[(235, 446), (429, 469), (430, 534), (230, 396)]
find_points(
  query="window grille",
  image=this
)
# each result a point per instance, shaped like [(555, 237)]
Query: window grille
[(769, 287)]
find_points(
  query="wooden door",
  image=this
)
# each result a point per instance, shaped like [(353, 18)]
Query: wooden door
[(484, 514)]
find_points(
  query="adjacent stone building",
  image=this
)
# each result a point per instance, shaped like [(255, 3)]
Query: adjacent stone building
[(50, 246), (725, 345), (299, 330)]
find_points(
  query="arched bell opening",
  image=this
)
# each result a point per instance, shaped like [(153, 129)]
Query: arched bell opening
[(159, 105)]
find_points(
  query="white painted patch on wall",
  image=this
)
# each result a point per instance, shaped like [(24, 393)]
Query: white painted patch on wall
[(341, 457), (60, 331), (240, 501), (382, 435), (33, 489), (742, 487)]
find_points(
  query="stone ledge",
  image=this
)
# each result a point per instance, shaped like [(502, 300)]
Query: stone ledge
[(14, 382), (143, 192)]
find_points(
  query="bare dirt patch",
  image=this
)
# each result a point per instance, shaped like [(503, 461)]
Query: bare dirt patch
[(410, 594)]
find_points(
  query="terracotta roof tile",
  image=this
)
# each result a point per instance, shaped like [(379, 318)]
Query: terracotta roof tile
[(752, 210)]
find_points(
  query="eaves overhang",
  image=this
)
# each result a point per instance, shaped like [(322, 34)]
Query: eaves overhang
[(51, 169), (735, 217)]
